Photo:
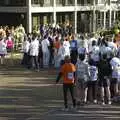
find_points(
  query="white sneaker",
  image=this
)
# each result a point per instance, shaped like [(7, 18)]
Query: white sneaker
[(95, 101), (102, 103), (109, 102)]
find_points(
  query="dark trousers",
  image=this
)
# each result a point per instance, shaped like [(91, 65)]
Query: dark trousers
[(74, 56), (25, 59), (34, 62), (65, 90)]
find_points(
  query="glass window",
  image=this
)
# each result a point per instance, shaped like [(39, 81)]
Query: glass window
[(85, 2), (42, 3), (101, 1), (12, 2), (65, 2)]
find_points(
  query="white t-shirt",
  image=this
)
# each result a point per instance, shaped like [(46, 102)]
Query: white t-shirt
[(82, 70), (26, 46), (61, 53), (93, 73), (95, 53), (115, 63), (3, 46), (106, 50), (90, 43), (45, 44), (66, 45), (34, 48), (82, 50)]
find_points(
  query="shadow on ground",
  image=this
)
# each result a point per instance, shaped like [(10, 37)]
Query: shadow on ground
[(29, 95)]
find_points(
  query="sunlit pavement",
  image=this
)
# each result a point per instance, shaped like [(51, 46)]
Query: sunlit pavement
[(29, 95)]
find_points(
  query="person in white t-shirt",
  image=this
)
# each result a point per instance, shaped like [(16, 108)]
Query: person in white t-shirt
[(26, 47), (61, 54), (92, 83), (115, 63), (3, 49), (90, 42), (46, 53), (105, 49), (94, 53), (34, 50), (82, 78), (66, 45)]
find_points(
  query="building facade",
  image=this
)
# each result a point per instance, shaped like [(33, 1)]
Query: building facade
[(84, 15)]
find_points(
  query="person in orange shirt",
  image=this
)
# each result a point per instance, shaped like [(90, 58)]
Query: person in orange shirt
[(68, 73)]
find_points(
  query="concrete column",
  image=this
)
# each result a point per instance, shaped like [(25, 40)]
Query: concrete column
[(101, 19), (54, 12), (110, 18), (104, 19), (75, 17), (29, 17), (94, 16), (114, 16)]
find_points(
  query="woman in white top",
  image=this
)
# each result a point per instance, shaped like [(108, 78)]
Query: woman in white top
[(3, 49)]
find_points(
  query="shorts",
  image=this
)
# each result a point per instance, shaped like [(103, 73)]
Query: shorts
[(81, 83), (92, 83), (104, 82), (114, 81)]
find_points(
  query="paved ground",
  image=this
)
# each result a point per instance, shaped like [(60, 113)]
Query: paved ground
[(28, 95)]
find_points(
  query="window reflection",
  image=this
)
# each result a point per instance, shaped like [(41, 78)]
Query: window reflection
[(85, 2), (65, 2), (42, 3), (12, 2)]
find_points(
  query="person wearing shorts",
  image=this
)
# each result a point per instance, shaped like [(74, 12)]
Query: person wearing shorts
[(92, 83), (115, 63), (82, 75), (104, 73), (3, 49)]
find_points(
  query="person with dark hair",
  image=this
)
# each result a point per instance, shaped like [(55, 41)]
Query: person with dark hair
[(73, 50), (92, 83), (34, 51), (104, 73), (46, 53), (115, 63), (68, 72), (94, 53)]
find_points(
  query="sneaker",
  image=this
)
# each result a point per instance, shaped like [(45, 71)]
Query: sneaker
[(102, 103), (109, 102), (95, 101)]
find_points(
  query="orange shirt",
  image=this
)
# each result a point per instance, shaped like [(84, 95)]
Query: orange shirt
[(67, 71)]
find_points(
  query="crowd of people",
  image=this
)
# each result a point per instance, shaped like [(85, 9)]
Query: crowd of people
[(89, 62), (94, 67)]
